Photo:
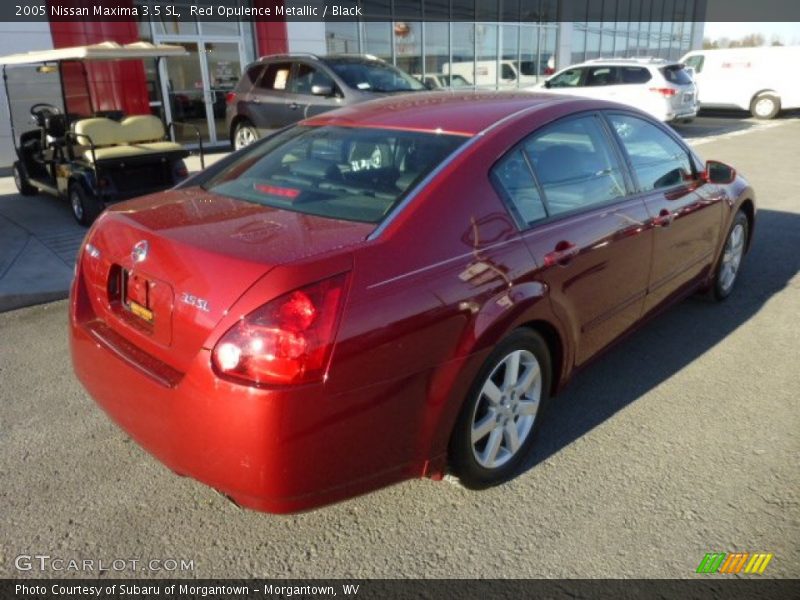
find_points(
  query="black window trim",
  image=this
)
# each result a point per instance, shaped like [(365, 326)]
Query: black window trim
[(638, 191), (622, 164)]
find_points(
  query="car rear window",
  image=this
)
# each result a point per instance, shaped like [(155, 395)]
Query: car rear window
[(356, 174), (676, 74)]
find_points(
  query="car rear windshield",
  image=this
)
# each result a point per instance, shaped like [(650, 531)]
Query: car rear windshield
[(356, 174), (676, 74), (374, 76)]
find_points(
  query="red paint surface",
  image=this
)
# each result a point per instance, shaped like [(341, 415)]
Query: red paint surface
[(426, 303), (271, 37), (114, 85)]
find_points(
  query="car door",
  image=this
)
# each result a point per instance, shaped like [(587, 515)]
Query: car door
[(684, 214), (301, 103), (568, 81), (588, 237), (267, 104)]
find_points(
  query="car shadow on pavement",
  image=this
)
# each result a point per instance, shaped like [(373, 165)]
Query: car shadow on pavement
[(672, 340), (711, 123)]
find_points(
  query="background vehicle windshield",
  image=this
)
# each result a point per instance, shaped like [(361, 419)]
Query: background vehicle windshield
[(374, 76), (337, 172)]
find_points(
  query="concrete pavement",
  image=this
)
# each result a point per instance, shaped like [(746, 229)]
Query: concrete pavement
[(39, 240)]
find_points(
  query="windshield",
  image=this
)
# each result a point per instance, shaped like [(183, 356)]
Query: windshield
[(374, 76), (337, 172)]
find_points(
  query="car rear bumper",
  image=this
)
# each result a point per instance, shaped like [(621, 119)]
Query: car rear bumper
[(269, 450)]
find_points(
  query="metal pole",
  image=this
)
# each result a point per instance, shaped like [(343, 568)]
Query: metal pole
[(10, 113)]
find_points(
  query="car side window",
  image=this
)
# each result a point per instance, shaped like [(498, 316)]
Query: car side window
[(696, 62), (306, 76), (568, 78), (251, 75), (276, 77), (575, 165), (600, 76), (633, 75), (658, 161), (514, 181)]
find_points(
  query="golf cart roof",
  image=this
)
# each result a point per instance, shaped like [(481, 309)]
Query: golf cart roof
[(102, 51)]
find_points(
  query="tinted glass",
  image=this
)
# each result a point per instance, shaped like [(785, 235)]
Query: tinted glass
[(374, 76), (568, 78), (676, 74), (630, 75), (696, 62), (514, 181), (599, 76), (307, 76), (251, 75), (338, 172), (276, 77), (575, 165), (658, 161)]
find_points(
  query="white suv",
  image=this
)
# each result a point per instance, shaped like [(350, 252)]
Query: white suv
[(663, 89)]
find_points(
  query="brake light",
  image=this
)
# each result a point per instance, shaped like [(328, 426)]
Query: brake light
[(286, 341), (230, 97), (666, 92)]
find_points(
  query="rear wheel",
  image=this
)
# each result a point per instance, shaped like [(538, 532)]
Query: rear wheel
[(244, 134), (765, 106), (86, 207), (731, 260), (21, 181), (495, 431)]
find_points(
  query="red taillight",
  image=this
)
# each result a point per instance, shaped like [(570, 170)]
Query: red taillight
[(286, 341), (666, 92), (549, 70), (230, 97)]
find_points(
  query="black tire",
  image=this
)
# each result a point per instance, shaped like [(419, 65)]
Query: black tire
[(723, 284), (687, 121), (478, 408), (21, 181), (86, 207), (244, 134), (765, 106)]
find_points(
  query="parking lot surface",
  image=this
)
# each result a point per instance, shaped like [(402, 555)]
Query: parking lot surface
[(682, 440)]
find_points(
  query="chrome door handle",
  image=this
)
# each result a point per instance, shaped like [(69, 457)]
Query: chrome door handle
[(664, 218), (563, 253)]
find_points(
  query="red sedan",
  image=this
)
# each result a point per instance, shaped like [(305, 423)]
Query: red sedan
[(393, 289)]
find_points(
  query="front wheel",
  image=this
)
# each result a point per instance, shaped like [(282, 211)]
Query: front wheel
[(86, 207), (243, 135), (731, 260), (494, 433)]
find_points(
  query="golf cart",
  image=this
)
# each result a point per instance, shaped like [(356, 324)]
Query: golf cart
[(93, 157)]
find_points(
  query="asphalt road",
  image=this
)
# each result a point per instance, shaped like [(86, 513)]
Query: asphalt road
[(683, 440)]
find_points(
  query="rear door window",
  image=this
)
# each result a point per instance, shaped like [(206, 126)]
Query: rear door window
[(658, 161), (633, 75), (575, 164), (276, 77), (513, 179)]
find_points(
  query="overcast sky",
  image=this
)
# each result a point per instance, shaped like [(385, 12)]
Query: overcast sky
[(788, 32)]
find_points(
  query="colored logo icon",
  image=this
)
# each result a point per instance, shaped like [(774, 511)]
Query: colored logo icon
[(735, 562)]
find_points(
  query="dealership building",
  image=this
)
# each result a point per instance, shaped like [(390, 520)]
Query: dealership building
[(493, 45)]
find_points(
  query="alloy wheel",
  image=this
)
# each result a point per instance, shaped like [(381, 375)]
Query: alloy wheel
[(732, 257), (764, 107), (244, 137), (506, 409), (77, 205)]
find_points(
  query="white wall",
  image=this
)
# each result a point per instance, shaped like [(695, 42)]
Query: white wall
[(18, 37), (306, 37)]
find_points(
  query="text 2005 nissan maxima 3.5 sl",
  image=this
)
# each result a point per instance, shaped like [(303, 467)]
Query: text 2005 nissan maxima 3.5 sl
[(393, 289)]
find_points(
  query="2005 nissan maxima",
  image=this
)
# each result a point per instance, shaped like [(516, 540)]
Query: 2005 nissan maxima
[(392, 290)]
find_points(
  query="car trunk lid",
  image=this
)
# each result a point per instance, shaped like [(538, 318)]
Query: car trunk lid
[(169, 267)]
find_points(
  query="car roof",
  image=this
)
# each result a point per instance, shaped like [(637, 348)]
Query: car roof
[(654, 63), (461, 113)]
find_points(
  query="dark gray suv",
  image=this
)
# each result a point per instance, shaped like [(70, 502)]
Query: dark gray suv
[(279, 90)]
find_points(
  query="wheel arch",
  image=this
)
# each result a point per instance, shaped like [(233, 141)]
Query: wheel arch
[(749, 209)]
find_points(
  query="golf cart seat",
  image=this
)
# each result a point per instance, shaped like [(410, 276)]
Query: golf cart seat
[(133, 137)]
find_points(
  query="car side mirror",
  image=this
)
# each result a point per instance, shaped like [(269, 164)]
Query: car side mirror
[(547, 83), (717, 172), (429, 85), (322, 90)]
